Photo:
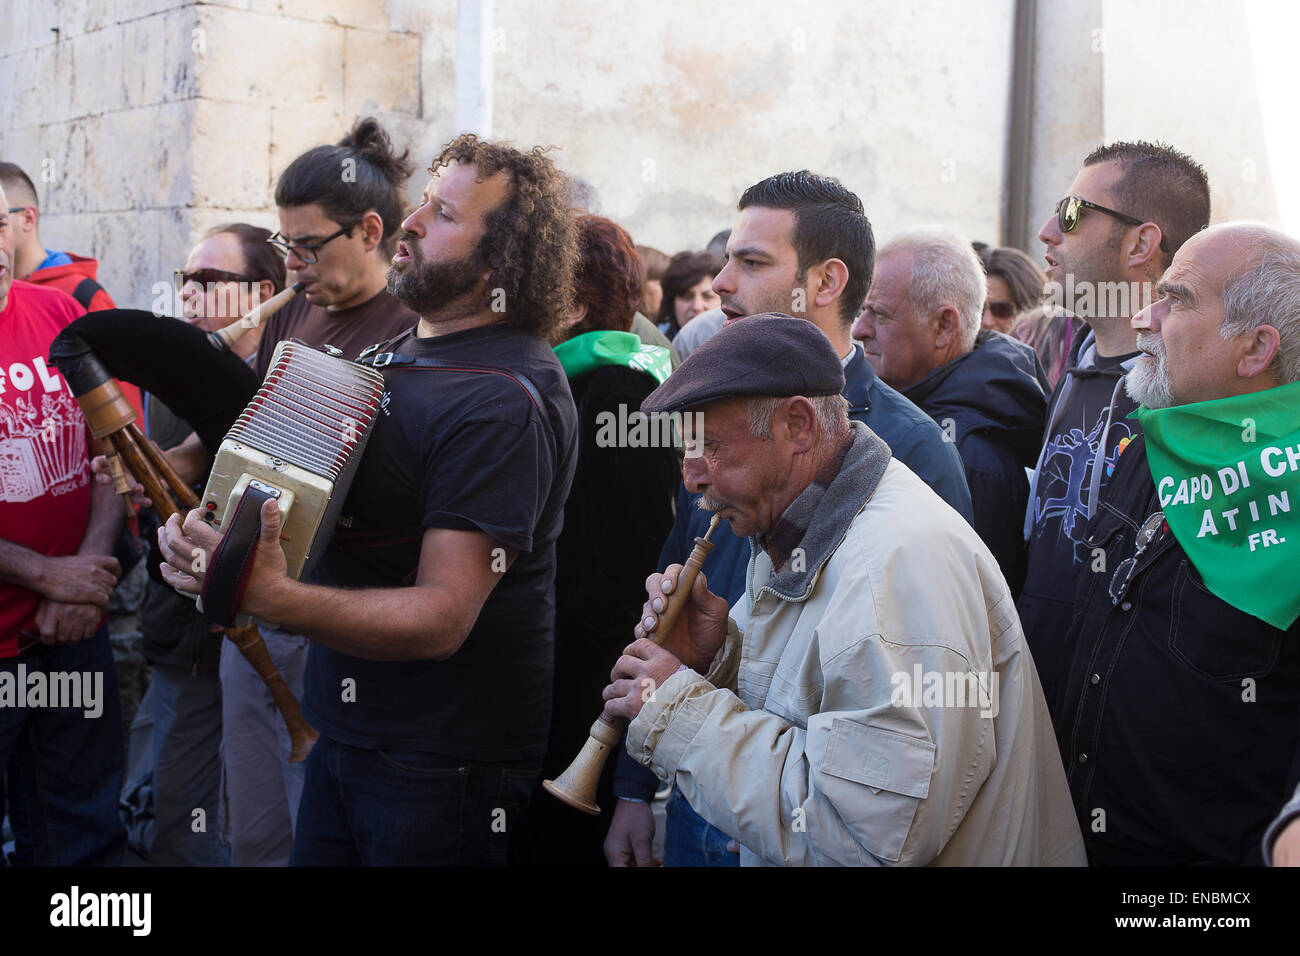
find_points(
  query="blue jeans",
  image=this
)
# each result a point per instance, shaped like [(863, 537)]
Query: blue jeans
[(70, 765), (407, 808), (690, 840)]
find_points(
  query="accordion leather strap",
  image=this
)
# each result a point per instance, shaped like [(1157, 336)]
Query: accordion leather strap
[(223, 588)]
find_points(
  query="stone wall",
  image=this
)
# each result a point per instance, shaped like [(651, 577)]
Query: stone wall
[(680, 106), (144, 122), (147, 121)]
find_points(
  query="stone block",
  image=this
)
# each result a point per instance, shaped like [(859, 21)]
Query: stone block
[(381, 71), (250, 58), (158, 57), (36, 25), (294, 131), (128, 159), (368, 14), (97, 70), (422, 16), (230, 159)]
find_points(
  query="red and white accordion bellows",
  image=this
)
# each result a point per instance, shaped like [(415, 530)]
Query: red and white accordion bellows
[(299, 441)]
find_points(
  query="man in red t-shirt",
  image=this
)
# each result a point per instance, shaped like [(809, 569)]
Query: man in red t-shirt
[(59, 707), (65, 271)]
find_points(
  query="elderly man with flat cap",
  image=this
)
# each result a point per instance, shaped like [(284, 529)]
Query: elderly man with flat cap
[(870, 699)]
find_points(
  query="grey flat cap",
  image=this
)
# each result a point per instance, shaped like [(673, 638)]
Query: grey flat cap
[(766, 354)]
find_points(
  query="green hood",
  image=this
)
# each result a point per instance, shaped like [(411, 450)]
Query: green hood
[(592, 350)]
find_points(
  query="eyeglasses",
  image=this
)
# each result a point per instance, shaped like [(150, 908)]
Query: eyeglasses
[(1069, 210), (17, 208), (306, 251), (1124, 573), (1001, 310), (206, 277)]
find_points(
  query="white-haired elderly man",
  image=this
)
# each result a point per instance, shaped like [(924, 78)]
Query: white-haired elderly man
[(1179, 712), (920, 328)]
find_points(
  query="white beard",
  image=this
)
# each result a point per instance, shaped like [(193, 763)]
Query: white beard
[(1147, 382)]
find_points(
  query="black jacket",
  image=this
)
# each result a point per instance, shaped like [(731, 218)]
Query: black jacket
[(992, 402), (172, 631), (618, 512), (1178, 716)]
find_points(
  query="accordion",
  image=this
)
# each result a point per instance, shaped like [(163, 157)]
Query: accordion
[(298, 441)]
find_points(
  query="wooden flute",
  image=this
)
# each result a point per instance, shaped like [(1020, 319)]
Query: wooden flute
[(225, 338), (577, 785)]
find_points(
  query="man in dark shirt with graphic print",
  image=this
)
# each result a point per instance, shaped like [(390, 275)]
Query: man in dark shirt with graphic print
[(432, 613), (1112, 236)]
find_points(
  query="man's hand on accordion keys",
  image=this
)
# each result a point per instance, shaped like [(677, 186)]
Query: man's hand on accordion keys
[(187, 553)]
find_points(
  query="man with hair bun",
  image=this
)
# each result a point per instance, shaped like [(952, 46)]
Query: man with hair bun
[(340, 210)]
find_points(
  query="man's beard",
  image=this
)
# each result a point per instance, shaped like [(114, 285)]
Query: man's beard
[(1147, 382), (426, 287)]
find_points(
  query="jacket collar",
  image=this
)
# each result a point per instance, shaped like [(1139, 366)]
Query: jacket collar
[(826, 511), (859, 377)]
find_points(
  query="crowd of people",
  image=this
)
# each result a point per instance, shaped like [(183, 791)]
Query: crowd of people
[(959, 608)]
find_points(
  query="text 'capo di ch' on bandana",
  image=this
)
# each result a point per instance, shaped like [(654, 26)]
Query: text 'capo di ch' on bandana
[(1227, 474)]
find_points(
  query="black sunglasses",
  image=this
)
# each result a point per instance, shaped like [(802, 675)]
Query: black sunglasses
[(1001, 310), (205, 277), (1148, 533), (1070, 209)]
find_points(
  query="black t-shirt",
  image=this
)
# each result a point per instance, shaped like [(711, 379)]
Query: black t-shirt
[(469, 451)]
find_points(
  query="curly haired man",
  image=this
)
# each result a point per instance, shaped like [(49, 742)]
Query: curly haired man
[(432, 613)]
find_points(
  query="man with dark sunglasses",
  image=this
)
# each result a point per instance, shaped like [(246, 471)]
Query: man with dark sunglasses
[(1108, 241), (1179, 682), (226, 274)]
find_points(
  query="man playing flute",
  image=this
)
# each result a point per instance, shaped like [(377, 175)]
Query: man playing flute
[(870, 699)]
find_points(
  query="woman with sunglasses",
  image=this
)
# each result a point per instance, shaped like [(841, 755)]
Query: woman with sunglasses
[(1015, 285)]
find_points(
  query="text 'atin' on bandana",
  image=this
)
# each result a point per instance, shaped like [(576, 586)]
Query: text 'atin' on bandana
[(1227, 474)]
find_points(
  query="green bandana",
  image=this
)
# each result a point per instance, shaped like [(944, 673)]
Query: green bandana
[(592, 350), (1224, 472)]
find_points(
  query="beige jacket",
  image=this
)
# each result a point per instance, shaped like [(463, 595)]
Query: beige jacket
[(819, 736)]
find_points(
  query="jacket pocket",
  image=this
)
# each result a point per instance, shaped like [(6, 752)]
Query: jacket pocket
[(897, 770), (1214, 638)]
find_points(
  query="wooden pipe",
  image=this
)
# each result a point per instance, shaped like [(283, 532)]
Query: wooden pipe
[(226, 338), (577, 785), (113, 422)]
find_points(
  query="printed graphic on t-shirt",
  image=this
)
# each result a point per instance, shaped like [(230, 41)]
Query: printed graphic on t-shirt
[(1063, 483), (42, 434)]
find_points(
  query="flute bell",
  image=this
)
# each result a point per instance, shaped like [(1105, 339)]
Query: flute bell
[(577, 785)]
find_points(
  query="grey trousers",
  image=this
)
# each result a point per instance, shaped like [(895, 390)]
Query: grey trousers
[(260, 789), (186, 772)]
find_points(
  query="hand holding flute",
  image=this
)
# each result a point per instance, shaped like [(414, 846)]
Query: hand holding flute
[(645, 665), (665, 640)]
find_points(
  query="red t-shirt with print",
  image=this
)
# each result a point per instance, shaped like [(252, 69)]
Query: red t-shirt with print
[(44, 464)]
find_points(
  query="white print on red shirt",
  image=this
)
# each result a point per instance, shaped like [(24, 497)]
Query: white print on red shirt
[(42, 442)]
